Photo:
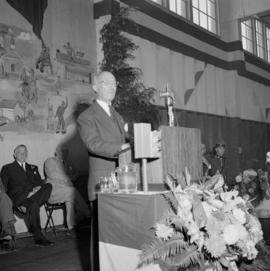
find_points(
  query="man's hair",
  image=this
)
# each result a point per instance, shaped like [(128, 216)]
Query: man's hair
[(97, 77), (20, 146)]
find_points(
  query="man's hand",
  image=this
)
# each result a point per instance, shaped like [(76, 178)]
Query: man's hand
[(125, 146), (34, 191)]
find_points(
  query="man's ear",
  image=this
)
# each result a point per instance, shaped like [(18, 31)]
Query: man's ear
[(95, 88)]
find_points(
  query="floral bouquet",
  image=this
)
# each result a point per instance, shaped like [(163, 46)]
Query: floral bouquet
[(207, 228), (253, 186)]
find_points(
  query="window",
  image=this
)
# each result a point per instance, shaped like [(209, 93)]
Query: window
[(200, 12), (255, 36), (259, 39), (268, 43), (204, 14), (179, 7), (246, 32), (158, 1)]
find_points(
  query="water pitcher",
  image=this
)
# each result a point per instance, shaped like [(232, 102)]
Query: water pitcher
[(127, 178)]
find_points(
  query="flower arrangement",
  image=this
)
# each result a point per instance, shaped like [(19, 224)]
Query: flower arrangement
[(207, 228), (253, 185)]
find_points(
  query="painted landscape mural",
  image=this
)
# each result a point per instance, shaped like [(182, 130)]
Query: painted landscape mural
[(40, 89)]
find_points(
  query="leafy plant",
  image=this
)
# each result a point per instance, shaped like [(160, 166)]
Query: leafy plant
[(133, 100), (206, 228)]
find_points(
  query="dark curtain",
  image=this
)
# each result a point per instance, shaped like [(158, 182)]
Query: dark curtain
[(246, 141), (32, 11)]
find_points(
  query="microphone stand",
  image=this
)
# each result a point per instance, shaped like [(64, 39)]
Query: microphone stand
[(169, 103)]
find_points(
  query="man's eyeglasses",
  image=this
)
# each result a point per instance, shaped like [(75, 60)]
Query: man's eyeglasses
[(109, 83), (220, 145)]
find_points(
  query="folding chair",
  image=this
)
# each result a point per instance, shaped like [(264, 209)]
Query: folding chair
[(50, 208)]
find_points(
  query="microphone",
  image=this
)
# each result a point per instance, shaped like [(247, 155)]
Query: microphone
[(168, 96)]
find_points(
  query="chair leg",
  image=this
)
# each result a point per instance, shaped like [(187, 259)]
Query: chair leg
[(53, 226), (50, 221), (65, 218), (13, 242)]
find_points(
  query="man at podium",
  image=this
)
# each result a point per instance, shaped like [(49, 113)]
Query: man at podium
[(102, 131)]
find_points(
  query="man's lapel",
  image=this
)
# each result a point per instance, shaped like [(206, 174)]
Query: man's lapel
[(109, 121), (19, 167), (118, 120)]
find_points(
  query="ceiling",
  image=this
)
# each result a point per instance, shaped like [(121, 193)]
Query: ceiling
[(265, 16)]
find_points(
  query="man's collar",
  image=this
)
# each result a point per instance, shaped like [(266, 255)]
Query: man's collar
[(105, 106), (102, 103), (21, 163)]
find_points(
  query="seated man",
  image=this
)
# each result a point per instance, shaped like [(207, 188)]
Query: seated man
[(206, 166), (218, 162), (25, 188), (63, 189), (7, 220)]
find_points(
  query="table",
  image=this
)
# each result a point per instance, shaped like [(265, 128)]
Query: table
[(125, 222)]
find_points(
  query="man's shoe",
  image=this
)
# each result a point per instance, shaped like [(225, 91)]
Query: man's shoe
[(7, 247), (5, 251), (42, 243), (50, 243)]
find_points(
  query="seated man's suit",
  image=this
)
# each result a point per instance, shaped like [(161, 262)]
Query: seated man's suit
[(25, 188), (7, 218)]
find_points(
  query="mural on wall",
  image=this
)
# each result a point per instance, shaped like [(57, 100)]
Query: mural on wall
[(39, 92)]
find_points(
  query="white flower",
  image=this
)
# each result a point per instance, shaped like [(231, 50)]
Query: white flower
[(234, 232), (163, 232), (232, 203), (238, 178), (249, 250), (230, 234), (228, 196), (219, 182), (209, 267), (255, 229), (250, 173), (208, 208), (239, 215), (233, 266), (193, 231), (243, 233), (215, 245), (215, 225), (185, 202), (184, 214), (216, 203), (254, 222)]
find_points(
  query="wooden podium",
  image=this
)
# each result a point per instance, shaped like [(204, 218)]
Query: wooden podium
[(180, 148)]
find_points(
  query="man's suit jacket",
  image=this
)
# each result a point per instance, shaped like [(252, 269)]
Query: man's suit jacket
[(220, 164), (6, 210), (20, 182), (103, 138)]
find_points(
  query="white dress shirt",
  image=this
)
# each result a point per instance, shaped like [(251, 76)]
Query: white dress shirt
[(105, 106), (22, 164)]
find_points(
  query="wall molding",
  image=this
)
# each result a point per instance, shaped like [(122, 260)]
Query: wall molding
[(107, 7)]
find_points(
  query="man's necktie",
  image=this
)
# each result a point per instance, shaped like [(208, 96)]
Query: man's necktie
[(23, 166), (113, 117)]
